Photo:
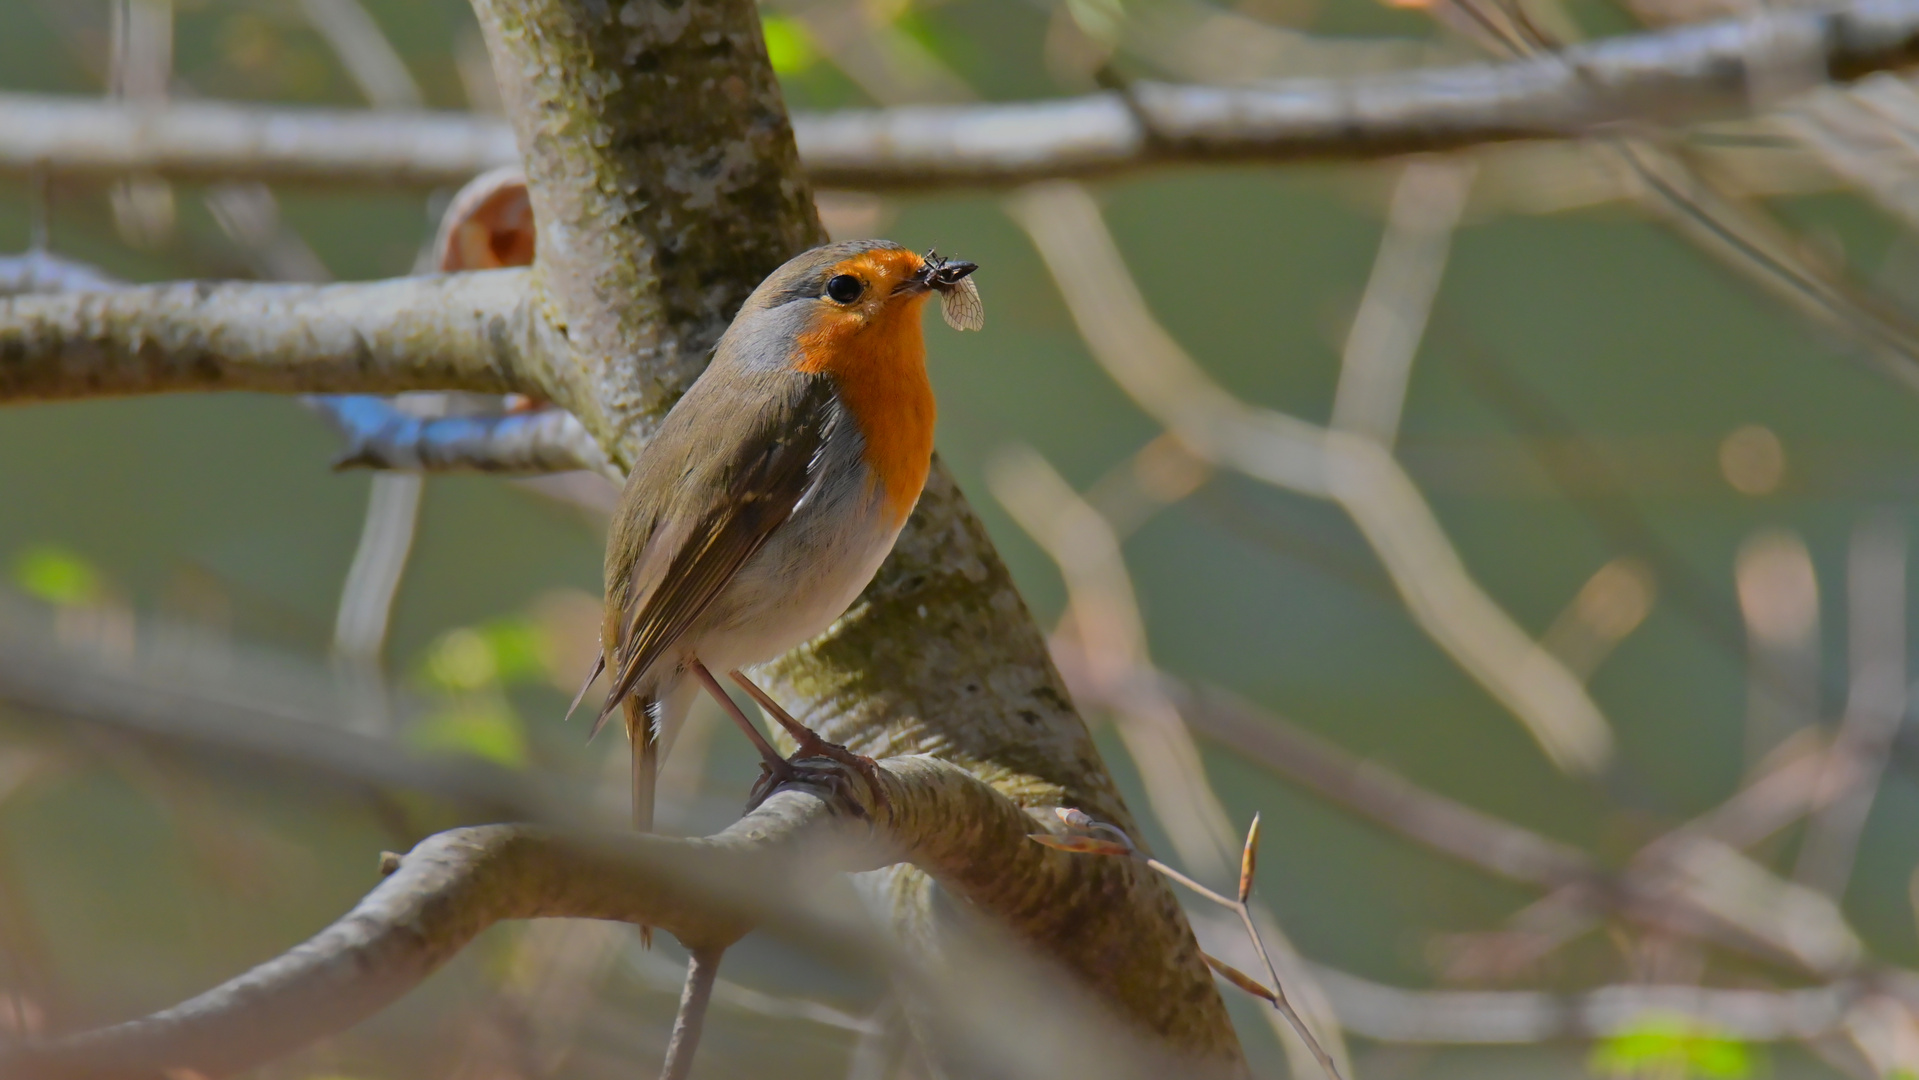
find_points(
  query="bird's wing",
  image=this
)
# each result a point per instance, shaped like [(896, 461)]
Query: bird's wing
[(711, 510)]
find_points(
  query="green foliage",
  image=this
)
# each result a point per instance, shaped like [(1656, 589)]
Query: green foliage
[(1672, 1048), (1099, 19), (484, 727), (57, 575), (471, 666), (498, 653), (788, 44)]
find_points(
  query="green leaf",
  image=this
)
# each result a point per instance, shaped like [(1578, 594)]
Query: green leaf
[(57, 575), (788, 44), (520, 649), (462, 659), (1671, 1046), (493, 654), (486, 728), (1101, 20)]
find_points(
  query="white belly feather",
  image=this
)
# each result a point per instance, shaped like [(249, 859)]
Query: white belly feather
[(810, 570)]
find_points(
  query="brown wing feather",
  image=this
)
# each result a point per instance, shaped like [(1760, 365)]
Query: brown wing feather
[(677, 554)]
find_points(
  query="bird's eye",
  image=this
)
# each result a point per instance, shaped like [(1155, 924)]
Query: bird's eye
[(845, 288)]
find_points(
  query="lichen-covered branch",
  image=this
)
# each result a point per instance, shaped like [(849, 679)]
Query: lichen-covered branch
[(459, 332), (1682, 74)]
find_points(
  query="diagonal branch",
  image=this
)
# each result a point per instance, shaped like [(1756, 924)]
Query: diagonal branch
[(1354, 471), (707, 892), (445, 891), (465, 332), (1692, 73)]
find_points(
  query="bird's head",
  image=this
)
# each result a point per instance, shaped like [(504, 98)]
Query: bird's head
[(839, 294)]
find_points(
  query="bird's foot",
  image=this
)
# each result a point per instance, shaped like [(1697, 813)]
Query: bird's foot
[(810, 765), (776, 771)]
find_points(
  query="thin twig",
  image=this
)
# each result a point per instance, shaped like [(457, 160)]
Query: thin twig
[(1282, 450), (1875, 709), (702, 968), (1105, 619), (1275, 995)]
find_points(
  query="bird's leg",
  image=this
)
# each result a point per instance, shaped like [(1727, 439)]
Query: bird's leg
[(810, 743), (770, 758), (774, 769)]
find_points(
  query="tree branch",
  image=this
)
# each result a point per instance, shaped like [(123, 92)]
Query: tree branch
[(445, 892), (1685, 74), (461, 332), (706, 892), (381, 435), (379, 432), (181, 689), (212, 141), (1395, 1015)]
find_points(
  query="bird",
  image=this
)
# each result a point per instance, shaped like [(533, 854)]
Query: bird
[(771, 493)]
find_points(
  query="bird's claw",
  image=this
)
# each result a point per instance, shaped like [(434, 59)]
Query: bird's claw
[(810, 765)]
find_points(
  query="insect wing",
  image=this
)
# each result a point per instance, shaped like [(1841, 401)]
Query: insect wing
[(961, 307)]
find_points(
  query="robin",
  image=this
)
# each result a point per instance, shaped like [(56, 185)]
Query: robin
[(772, 492)]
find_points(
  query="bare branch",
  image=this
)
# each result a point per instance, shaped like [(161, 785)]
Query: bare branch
[(1675, 75), (1105, 619), (462, 331), (179, 691), (1393, 1014), (706, 892), (365, 52), (1375, 791), (44, 272), (215, 141), (379, 435), (446, 891), (1669, 885), (1875, 708), (702, 968), (1355, 471), (1377, 361)]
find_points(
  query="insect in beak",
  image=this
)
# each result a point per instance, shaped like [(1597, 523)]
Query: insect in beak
[(959, 297), (948, 275)]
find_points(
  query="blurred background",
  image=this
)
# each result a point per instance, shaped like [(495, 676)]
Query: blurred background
[(229, 676)]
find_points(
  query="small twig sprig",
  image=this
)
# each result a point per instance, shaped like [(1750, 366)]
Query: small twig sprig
[(1090, 837)]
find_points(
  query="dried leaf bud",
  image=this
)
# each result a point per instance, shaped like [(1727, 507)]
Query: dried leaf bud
[(1073, 819), (1247, 859), (1239, 978)]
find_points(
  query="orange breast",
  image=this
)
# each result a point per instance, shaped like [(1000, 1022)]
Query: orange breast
[(879, 365)]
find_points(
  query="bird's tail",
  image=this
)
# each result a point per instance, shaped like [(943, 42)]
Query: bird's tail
[(646, 771), (646, 758)]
